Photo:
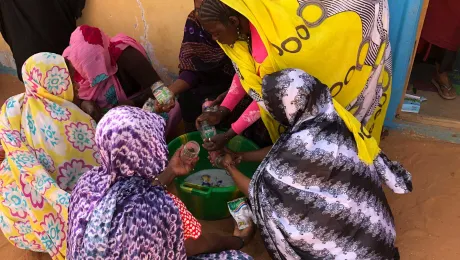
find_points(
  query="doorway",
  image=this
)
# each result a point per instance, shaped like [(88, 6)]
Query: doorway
[(432, 91)]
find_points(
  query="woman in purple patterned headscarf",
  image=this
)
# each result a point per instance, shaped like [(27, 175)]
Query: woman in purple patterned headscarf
[(117, 213)]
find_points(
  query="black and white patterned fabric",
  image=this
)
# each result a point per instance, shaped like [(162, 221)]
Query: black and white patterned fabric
[(311, 196)]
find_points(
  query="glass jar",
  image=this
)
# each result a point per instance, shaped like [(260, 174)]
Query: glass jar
[(190, 151), (218, 162), (149, 105), (162, 94), (207, 131), (216, 158)]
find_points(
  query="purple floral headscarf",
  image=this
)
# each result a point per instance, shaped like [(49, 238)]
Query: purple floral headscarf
[(115, 211), (132, 143)]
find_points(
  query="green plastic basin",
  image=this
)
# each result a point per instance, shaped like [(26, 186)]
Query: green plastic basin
[(210, 203)]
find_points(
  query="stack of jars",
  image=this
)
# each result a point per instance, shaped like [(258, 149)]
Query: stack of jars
[(207, 131)]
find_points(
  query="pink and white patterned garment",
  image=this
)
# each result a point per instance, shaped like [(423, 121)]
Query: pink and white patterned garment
[(236, 92)]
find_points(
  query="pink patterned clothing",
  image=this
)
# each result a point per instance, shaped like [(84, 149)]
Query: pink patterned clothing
[(94, 56), (103, 65), (237, 92)]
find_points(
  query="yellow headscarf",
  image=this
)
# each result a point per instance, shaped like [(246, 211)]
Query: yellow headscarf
[(49, 144), (333, 41)]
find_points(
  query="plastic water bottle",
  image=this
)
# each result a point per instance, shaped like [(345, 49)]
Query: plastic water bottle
[(207, 131), (206, 104)]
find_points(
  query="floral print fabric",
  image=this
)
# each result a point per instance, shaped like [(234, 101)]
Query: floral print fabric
[(49, 144), (115, 210)]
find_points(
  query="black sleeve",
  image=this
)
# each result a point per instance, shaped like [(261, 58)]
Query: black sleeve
[(77, 7), (1, 22), (136, 75), (80, 5), (138, 67)]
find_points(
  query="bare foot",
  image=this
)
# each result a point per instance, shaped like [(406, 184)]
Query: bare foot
[(443, 85)]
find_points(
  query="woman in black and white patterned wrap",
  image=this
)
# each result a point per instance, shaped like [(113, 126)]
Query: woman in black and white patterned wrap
[(312, 196)]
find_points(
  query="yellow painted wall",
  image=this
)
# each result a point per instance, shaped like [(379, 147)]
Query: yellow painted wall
[(157, 24), (3, 45)]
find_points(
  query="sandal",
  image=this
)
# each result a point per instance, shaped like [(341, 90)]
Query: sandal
[(444, 91)]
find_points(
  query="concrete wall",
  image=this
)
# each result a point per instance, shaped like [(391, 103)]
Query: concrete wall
[(7, 65), (157, 24)]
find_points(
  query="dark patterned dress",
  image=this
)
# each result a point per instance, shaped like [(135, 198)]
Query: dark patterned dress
[(312, 196), (204, 66)]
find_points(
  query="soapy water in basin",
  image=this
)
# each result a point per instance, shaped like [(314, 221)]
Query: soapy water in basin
[(211, 178)]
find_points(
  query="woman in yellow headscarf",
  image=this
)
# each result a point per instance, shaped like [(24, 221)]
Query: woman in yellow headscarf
[(343, 43), (48, 143)]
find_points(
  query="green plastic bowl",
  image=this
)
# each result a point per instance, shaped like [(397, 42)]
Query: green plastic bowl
[(210, 203)]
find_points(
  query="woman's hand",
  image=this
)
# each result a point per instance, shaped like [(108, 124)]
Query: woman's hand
[(178, 167), (159, 108), (230, 161), (213, 118), (235, 157), (246, 234), (218, 141), (227, 162), (92, 109)]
